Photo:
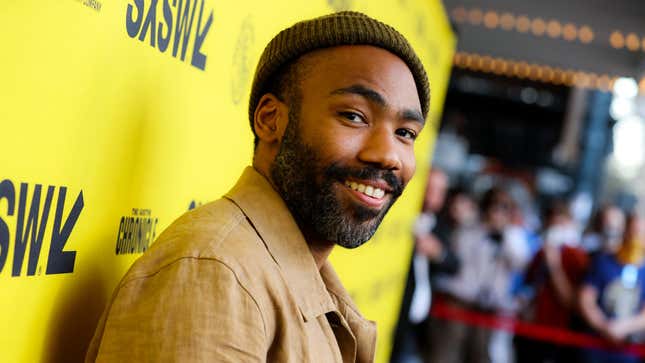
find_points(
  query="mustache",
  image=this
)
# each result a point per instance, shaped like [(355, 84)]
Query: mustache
[(341, 173)]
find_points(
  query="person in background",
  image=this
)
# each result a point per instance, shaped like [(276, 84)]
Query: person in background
[(555, 273), (431, 254), (605, 233), (613, 294), (490, 253), (460, 211)]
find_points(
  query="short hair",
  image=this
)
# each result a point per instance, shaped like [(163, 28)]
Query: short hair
[(285, 84), (556, 208), (495, 196)]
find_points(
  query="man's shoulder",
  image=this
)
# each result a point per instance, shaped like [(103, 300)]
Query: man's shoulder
[(216, 232), (191, 277)]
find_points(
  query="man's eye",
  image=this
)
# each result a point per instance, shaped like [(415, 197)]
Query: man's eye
[(407, 133), (353, 117)]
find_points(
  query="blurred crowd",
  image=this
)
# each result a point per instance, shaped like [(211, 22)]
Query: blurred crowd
[(487, 253)]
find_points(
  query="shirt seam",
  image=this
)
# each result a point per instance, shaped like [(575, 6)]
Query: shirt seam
[(217, 260), (225, 234), (226, 231)]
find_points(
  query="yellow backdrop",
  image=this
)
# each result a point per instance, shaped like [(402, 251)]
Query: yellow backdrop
[(118, 116)]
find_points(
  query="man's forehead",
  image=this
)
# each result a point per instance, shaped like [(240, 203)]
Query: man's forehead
[(341, 69)]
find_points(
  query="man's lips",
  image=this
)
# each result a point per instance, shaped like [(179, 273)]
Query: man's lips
[(371, 193), (368, 175), (376, 183)]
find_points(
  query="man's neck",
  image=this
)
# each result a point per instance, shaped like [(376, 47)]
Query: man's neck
[(320, 250)]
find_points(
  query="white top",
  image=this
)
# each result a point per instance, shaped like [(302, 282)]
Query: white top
[(486, 267)]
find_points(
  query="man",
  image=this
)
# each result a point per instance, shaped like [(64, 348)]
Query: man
[(335, 106), (431, 237), (432, 253)]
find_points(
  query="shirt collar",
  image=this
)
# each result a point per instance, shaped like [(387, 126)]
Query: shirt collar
[(363, 330), (275, 225)]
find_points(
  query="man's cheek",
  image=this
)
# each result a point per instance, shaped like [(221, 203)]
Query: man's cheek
[(410, 167)]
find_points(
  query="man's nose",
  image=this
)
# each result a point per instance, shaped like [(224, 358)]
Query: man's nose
[(381, 150)]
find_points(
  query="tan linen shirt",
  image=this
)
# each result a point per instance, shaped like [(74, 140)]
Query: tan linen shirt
[(232, 281)]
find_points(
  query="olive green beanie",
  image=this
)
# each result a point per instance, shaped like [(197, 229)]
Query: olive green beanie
[(342, 28)]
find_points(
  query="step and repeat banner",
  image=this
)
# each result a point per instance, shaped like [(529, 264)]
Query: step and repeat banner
[(118, 116)]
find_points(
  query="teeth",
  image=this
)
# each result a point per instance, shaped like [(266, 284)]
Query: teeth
[(369, 191), (366, 189)]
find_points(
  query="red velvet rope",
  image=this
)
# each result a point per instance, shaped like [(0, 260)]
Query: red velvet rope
[(442, 310)]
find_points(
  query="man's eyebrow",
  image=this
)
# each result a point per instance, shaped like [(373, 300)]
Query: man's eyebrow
[(413, 115), (370, 94)]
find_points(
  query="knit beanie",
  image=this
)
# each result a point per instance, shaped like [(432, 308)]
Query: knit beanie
[(342, 28)]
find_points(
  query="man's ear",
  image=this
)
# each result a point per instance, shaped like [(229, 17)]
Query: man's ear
[(270, 119)]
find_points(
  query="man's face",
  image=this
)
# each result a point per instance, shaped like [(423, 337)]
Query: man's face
[(348, 150), (436, 190)]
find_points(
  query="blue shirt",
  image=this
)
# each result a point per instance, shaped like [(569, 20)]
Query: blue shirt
[(621, 288)]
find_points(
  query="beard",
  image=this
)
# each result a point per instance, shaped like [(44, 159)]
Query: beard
[(310, 189)]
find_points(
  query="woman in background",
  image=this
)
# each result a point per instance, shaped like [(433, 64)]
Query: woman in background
[(556, 272), (605, 233), (613, 294)]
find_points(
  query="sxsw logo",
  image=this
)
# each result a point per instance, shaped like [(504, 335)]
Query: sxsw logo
[(31, 220), (174, 26)]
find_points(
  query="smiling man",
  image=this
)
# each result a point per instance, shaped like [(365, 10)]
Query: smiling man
[(336, 105)]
